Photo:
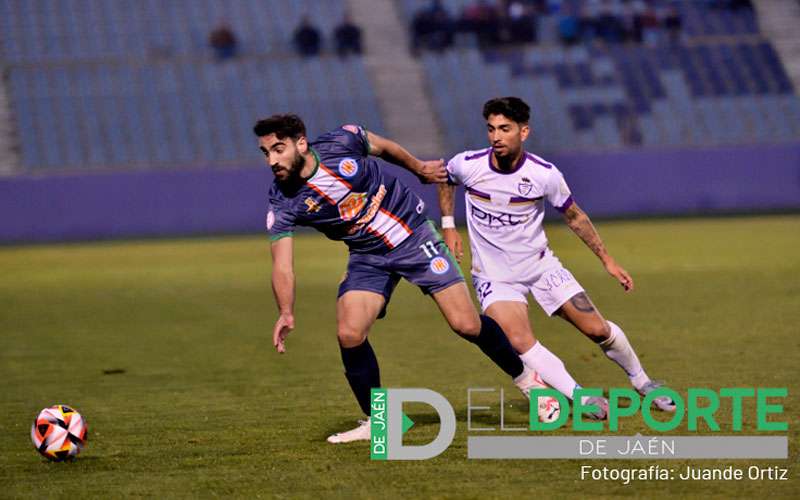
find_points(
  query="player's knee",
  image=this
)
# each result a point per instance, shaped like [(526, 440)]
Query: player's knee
[(598, 330), (350, 337), (466, 326)]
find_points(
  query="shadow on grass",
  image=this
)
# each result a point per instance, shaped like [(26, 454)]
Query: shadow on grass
[(72, 462), (428, 419), (476, 418)]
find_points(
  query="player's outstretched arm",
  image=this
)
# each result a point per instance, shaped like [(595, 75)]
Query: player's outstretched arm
[(431, 171), (579, 222), (447, 204), (283, 288)]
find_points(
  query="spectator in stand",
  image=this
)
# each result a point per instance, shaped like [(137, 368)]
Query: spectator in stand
[(730, 4), (589, 16), (223, 41), (627, 21), (741, 4), (547, 7), (551, 6), (672, 23), (638, 8), (432, 28), (307, 39), (347, 37), (569, 28), (480, 18), (609, 21), (521, 22), (651, 34)]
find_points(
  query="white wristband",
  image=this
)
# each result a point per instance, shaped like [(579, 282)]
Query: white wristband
[(448, 222)]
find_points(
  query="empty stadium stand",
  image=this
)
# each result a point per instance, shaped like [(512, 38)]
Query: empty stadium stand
[(102, 83), (96, 83), (723, 83)]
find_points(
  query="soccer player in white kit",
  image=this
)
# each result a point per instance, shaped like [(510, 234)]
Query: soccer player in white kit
[(505, 191)]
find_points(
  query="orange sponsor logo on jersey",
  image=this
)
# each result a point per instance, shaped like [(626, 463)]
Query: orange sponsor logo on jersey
[(374, 206), (351, 206)]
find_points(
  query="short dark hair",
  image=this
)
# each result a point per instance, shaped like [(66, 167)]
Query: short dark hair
[(282, 126), (512, 108)]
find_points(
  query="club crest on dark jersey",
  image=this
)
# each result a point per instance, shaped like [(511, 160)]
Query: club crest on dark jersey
[(348, 167), (439, 265), (524, 186)]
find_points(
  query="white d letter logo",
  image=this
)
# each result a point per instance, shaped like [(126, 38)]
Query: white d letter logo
[(447, 428)]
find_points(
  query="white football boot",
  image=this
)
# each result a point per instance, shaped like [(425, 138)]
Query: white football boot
[(549, 409), (602, 408), (663, 403), (360, 433)]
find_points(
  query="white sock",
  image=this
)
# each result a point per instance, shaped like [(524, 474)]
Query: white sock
[(619, 350), (550, 368)]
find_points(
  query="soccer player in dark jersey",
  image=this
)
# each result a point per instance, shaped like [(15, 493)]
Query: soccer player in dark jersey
[(333, 185)]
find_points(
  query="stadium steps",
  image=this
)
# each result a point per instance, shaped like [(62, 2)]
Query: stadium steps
[(778, 21), (398, 79), (9, 152)]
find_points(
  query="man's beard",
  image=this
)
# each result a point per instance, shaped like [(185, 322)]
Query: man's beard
[(294, 172)]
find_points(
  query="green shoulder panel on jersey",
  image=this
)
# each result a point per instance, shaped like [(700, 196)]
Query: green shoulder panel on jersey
[(366, 138), (317, 161), (453, 260), (276, 237)]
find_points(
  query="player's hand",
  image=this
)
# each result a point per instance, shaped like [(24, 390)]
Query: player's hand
[(620, 274), (452, 239), (432, 172), (283, 326)]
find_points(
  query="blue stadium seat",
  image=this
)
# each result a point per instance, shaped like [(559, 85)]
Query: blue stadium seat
[(728, 62), (28, 136), (143, 87)]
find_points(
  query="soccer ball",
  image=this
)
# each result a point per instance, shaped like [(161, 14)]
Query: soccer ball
[(59, 433), (549, 409)]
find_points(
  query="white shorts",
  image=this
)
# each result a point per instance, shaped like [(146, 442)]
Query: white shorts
[(551, 285)]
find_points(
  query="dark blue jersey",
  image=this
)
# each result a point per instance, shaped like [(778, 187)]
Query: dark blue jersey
[(348, 197)]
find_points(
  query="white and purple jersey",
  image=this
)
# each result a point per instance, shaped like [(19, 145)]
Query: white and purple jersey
[(505, 211), (348, 197)]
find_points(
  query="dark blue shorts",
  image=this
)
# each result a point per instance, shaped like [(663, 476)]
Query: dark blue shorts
[(423, 259)]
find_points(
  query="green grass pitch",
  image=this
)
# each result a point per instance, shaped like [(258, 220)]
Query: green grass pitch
[(205, 407)]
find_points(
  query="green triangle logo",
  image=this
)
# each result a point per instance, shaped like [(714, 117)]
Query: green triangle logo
[(407, 423)]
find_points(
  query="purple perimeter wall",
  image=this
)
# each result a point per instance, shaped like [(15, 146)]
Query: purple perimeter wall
[(199, 201)]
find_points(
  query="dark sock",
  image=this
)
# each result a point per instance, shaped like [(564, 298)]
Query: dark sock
[(361, 370), (494, 343)]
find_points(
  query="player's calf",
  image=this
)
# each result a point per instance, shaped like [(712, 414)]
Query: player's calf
[(597, 330), (580, 311), (593, 326), (494, 343)]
